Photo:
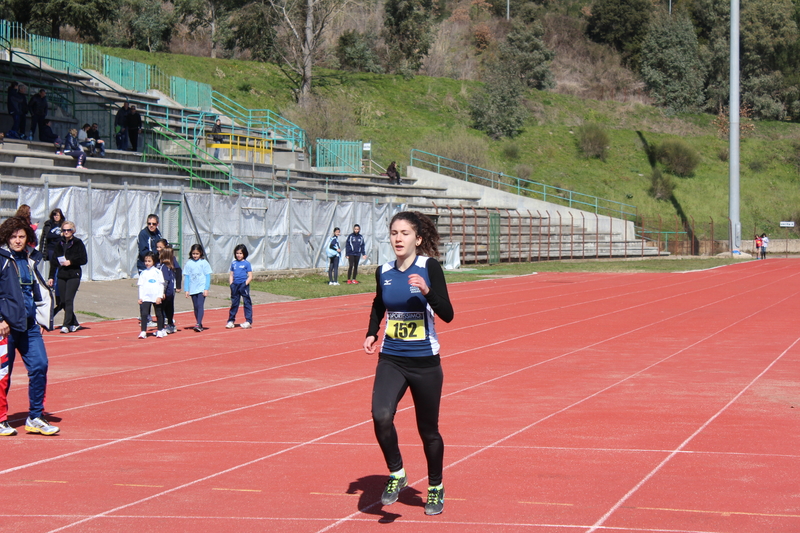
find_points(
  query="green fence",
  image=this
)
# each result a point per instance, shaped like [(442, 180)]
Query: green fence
[(334, 155), (126, 73), (521, 186)]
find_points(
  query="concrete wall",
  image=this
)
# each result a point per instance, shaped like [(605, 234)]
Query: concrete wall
[(504, 200)]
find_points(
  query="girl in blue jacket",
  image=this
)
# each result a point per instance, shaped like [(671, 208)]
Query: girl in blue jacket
[(197, 277)]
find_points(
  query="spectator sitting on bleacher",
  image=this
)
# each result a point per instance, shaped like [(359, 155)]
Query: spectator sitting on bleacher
[(47, 135), (73, 149), (99, 144)]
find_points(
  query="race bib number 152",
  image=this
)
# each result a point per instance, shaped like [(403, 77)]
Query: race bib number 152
[(406, 326)]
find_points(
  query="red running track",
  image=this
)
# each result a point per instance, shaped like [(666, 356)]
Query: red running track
[(572, 402)]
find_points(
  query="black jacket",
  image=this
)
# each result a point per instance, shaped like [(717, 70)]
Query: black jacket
[(75, 251), (38, 106), (12, 300)]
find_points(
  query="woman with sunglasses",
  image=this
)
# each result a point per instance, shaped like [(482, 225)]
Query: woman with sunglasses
[(147, 240), (65, 271)]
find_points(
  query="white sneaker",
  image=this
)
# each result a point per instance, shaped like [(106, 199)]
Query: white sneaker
[(73, 329), (230, 325), (246, 325), (331, 283), (335, 282), (39, 425), (6, 430), (161, 334), (143, 335), (65, 329)]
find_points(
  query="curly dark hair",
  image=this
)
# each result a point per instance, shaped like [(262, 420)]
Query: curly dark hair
[(423, 227), (11, 226)]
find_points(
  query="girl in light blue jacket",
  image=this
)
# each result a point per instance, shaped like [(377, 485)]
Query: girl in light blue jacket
[(197, 280)]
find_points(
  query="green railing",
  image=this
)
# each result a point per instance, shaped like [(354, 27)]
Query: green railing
[(334, 155), (522, 186), (177, 151), (260, 121), (129, 74), (190, 93)]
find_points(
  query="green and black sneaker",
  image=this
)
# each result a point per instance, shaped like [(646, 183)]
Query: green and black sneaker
[(435, 503), (393, 488)]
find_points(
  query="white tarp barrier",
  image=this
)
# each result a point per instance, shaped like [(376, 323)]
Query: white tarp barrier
[(279, 234)]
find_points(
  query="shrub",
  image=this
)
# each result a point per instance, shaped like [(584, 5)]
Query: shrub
[(678, 157), (723, 155), (511, 151), (497, 109), (245, 87), (661, 185), (757, 166), (593, 141)]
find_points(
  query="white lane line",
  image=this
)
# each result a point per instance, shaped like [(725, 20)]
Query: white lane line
[(686, 442)]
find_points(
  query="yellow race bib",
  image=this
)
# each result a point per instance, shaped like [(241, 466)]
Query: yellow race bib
[(406, 326)]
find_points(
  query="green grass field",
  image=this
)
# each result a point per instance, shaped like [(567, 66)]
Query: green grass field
[(316, 285)]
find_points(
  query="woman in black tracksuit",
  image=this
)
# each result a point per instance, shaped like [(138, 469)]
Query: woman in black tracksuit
[(410, 290), (65, 271)]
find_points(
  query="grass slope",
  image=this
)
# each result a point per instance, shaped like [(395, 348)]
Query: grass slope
[(397, 114)]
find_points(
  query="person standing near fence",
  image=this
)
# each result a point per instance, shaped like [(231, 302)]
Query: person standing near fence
[(332, 251), (409, 291), (764, 244), (148, 239), (197, 276), (216, 129), (121, 126), (133, 123), (354, 250), (38, 108)]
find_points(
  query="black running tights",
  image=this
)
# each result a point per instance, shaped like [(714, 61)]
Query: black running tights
[(391, 383)]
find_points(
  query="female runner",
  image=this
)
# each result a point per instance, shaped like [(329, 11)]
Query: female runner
[(409, 291)]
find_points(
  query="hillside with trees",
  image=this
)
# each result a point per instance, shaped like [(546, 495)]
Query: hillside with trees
[(582, 95)]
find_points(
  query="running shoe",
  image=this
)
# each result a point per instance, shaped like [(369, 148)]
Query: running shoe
[(393, 488), (246, 325), (435, 503), (198, 329), (6, 430), (65, 329), (230, 325), (349, 281), (143, 335), (161, 334), (73, 329), (356, 282), (82, 168), (39, 425), (171, 329)]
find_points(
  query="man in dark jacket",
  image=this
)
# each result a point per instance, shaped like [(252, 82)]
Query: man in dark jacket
[(38, 107), (217, 128), (121, 124), (47, 135), (17, 107), (148, 239), (134, 125)]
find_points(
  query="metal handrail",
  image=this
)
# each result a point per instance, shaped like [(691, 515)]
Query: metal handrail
[(547, 193)]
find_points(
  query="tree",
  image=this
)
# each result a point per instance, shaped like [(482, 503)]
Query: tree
[(355, 52), (671, 66), (254, 29), (498, 109), (620, 23), (407, 29), (526, 55), (303, 23), (48, 16), (141, 24), (209, 14)]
